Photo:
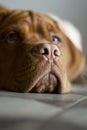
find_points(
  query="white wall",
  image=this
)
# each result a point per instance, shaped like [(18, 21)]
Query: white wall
[(74, 10)]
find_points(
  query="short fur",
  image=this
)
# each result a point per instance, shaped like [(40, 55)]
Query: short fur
[(23, 67)]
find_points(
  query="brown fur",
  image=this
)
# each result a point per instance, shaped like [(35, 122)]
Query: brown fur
[(22, 68)]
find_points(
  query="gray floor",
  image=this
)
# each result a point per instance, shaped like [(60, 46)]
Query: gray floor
[(19, 111)]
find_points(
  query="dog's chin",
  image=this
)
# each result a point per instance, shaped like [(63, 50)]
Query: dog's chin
[(48, 83)]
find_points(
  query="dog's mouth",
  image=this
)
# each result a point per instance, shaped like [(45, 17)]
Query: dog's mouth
[(49, 83)]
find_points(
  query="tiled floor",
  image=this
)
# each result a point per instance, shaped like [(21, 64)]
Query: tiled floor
[(19, 111)]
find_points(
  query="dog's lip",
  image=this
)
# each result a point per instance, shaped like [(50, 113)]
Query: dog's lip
[(54, 70), (50, 73)]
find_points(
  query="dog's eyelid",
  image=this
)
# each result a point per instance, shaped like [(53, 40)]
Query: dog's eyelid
[(15, 30), (13, 36), (55, 38)]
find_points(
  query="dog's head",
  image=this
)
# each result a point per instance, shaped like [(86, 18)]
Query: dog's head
[(32, 53)]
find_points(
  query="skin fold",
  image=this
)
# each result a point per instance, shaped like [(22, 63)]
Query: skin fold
[(35, 55)]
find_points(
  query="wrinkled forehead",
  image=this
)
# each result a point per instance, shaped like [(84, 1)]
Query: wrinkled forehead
[(33, 20)]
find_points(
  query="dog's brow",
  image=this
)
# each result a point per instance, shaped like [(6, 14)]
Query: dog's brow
[(29, 22)]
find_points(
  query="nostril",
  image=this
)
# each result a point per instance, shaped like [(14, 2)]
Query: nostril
[(44, 51), (56, 53)]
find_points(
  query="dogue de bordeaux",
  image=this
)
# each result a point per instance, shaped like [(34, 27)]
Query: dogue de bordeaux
[(39, 52)]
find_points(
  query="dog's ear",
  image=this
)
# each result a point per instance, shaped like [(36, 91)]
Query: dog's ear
[(3, 13)]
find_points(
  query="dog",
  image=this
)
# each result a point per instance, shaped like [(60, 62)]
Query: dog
[(38, 53)]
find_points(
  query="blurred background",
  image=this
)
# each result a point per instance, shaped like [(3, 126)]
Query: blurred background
[(73, 10)]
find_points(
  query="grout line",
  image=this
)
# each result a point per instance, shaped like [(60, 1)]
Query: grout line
[(27, 96)]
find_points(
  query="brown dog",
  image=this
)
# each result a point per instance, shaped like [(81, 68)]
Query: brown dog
[(35, 54)]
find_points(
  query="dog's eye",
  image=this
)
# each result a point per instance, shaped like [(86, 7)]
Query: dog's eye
[(56, 39), (12, 37)]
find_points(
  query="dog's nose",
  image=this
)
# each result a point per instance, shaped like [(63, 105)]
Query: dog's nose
[(48, 51)]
